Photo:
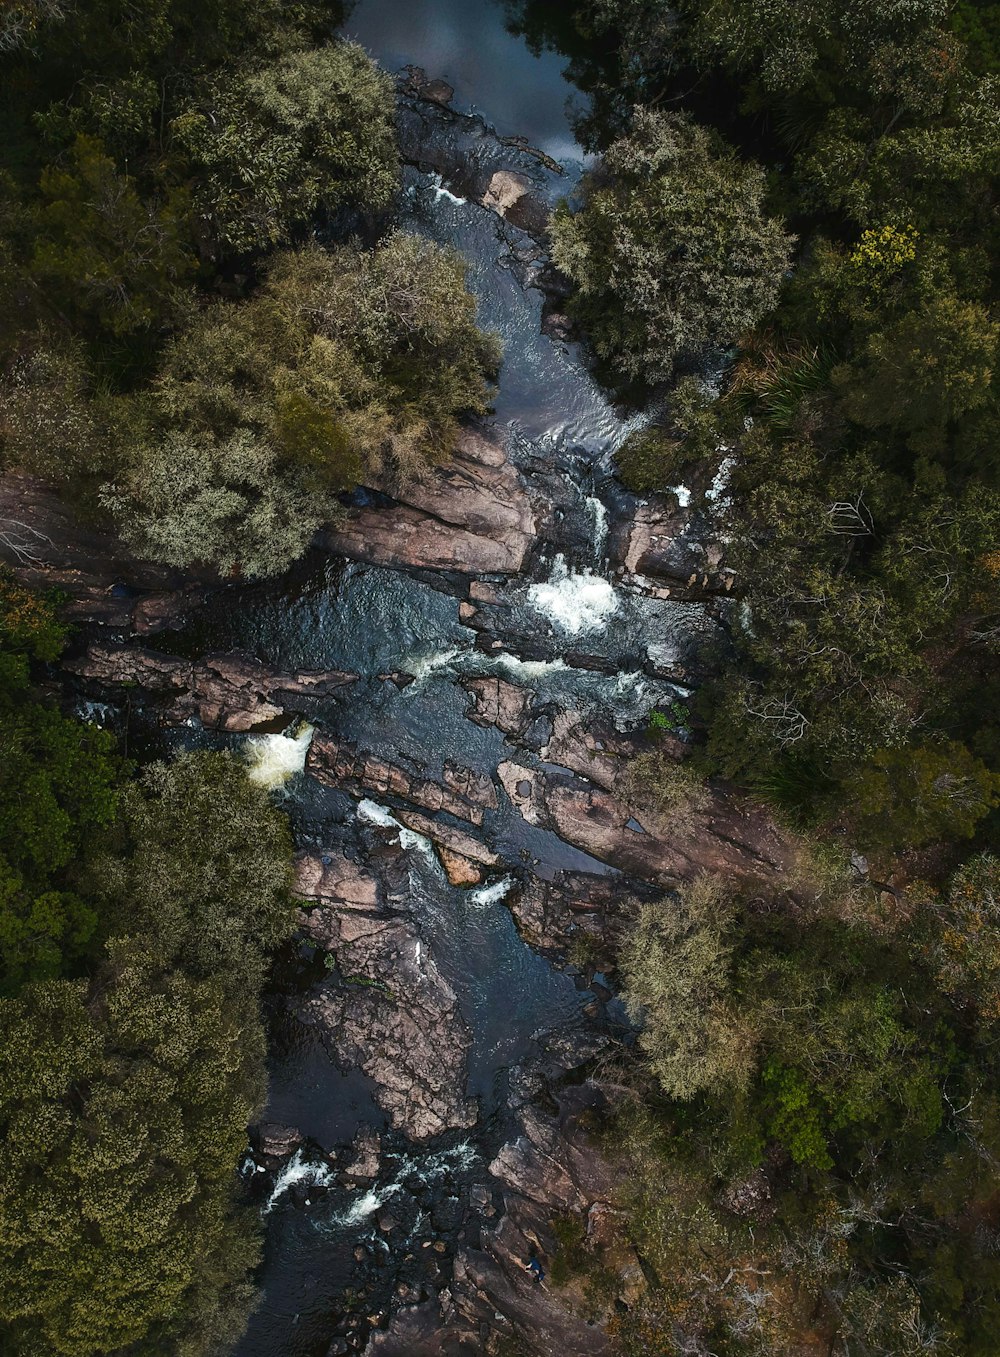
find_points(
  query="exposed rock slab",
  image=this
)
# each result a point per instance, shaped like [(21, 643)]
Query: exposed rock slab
[(449, 838), (461, 792), (390, 1012), (662, 542), (728, 836), (547, 1168), (495, 702), (576, 910), (224, 692), (471, 515)]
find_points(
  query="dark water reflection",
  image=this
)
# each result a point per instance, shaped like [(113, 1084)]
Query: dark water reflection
[(467, 43)]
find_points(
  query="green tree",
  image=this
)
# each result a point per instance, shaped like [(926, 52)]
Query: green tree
[(675, 967), (124, 1099), (58, 794), (114, 257), (924, 371), (919, 794), (272, 146), (190, 499), (671, 251)]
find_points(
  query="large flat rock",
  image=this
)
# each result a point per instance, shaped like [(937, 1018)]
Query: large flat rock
[(472, 514), (229, 692)]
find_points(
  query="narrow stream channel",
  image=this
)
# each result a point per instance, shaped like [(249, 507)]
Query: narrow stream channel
[(329, 1249)]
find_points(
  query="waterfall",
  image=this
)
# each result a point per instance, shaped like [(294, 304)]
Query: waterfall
[(275, 759)]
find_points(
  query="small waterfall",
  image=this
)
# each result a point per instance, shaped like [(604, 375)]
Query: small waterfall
[(275, 759), (491, 895), (298, 1170), (574, 602), (599, 514)]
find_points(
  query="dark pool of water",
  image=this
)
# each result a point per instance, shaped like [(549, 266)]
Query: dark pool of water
[(467, 43)]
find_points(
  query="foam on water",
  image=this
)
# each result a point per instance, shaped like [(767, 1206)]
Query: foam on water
[(423, 666), (275, 759), (573, 601), (298, 1170), (491, 895), (458, 1157), (599, 513), (437, 184)]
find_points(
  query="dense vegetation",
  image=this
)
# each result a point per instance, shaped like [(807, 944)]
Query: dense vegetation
[(137, 921), (813, 1134), (175, 349)]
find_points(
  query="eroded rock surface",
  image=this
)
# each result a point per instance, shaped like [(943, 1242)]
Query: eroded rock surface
[(388, 1010), (224, 692), (461, 792), (728, 836), (471, 515)]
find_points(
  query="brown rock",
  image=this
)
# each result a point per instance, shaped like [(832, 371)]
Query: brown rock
[(504, 190), (363, 1163), (334, 880), (726, 836), (224, 692), (462, 792), (499, 703), (445, 836), (471, 515), (276, 1140), (459, 870)]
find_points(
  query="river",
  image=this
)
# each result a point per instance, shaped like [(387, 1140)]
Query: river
[(335, 1264)]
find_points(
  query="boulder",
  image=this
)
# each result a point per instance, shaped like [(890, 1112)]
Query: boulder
[(471, 515), (665, 542), (366, 1150), (504, 191), (275, 1140), (460, 871), (495, 702), (447, 837)]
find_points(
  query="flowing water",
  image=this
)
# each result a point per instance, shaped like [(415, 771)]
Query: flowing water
[(562, 429)]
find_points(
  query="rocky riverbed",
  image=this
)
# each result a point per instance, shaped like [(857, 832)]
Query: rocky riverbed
[(447, 694)]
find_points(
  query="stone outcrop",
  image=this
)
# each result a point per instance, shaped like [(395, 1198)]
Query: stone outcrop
[(664, 554), (471, 515), (276, 1141), (388, 1010), (461, 792), (47, 546), (727, 835), (452, 844), (547, 1168), (576, 914), (224, 692), (495, 702)]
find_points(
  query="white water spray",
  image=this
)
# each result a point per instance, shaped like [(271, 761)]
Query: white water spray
[(298, 1170), (574, 602), (275, 759), (490, 895)]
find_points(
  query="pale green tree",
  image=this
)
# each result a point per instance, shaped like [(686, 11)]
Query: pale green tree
[(672, 250)]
